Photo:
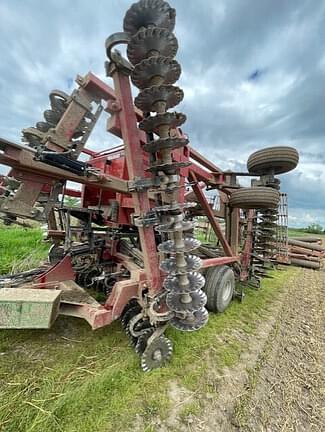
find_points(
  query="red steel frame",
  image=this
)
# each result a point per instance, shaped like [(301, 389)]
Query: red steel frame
[(131, 139)]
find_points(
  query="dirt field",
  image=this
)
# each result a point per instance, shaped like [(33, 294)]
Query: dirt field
[(288, 393), (279, 383)]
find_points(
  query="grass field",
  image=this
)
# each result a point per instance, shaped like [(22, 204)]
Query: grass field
[(292, 232), (72, 379), (20, 249), (297, 233)]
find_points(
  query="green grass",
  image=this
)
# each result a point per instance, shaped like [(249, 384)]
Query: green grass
[(73, 379), (21, 249), (303, 232), (297, 233)]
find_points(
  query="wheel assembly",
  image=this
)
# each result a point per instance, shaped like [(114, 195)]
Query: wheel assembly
[(219, 288), (254, 198), (275, 160)]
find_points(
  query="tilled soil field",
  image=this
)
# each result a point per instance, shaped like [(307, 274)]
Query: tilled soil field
[(279, 384), (287, 392)]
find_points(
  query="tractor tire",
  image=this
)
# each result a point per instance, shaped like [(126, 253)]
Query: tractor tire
[(279, 160), (219, 288), (255, 198)]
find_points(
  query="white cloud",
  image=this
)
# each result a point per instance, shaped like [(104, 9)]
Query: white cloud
[(221, 43)]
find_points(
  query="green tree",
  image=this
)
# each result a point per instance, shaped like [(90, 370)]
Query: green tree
[(315, 228)]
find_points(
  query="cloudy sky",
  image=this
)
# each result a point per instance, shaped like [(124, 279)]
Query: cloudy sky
[(253, 76)]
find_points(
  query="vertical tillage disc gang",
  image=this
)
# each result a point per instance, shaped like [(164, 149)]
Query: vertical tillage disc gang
[(151, 49)]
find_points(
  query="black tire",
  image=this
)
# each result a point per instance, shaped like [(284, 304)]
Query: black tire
[(219, 288), (280, 160), (254, 198)]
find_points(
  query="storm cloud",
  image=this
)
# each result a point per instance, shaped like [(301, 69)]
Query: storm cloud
[(253, 76)]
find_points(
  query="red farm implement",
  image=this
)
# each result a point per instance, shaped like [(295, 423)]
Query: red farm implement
[(129, 249)]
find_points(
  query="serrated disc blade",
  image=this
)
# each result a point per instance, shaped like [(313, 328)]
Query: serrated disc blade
[(32, 140), (153, 40), (170, 119), (169, 246), (174, 226), (165, 70), (43, 126), (142, 341), (156, 354), (52, 117), (147, 98), (192, 322), (193, 263), (178, 302), (168, 143), (196, 282), (145, 13), (168, 168)]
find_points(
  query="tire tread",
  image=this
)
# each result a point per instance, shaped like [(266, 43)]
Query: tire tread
[(282, 159), (254, 198), (214, 277)]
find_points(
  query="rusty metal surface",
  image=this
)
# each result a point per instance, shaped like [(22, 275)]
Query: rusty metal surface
[(209, 213), (21, 159), (72, 293), (59, 272), (136, 169), (219, 261)]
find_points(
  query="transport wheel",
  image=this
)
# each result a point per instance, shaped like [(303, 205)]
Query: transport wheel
[(254, 198), (219, 288), (280, 160)]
